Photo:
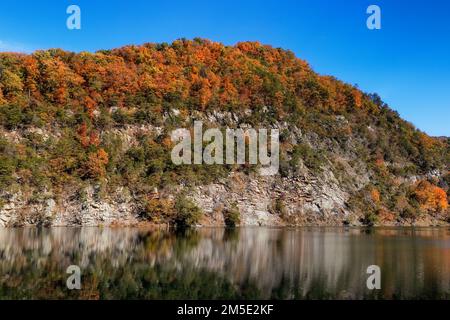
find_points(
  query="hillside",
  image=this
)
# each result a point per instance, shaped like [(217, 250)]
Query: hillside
[(85, 140)]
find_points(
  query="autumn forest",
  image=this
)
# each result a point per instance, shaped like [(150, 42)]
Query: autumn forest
[(72, 120)]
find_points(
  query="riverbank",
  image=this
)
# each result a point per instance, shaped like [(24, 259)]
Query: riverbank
[(102, 216)]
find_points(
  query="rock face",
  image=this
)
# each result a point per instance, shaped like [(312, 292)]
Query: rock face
[(303, 197), (303, 200), (299, 198), (69, 210)]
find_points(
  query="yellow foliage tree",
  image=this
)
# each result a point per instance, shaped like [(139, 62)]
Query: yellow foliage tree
[(11, 83)]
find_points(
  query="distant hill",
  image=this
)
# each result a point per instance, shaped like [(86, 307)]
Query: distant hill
[(85, 139)]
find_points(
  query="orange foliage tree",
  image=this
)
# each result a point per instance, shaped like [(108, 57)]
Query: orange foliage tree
[(96, 163), (431, 197), (375, 195)]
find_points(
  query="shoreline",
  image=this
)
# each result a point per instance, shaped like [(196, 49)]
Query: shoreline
[(165, 226)]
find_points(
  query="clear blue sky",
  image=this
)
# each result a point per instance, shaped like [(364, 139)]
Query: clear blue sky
[(407, 62)]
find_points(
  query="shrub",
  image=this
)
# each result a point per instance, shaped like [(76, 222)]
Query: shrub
[(313, 159), (447, 182), (385, 215), (410, 213), (370, 218), (121, 117), (159, 210), (11, 116), (8, 163), (278, 207), (232, 216), (187, 214), (363, 204)]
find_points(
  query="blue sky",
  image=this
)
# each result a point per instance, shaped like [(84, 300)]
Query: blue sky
[(407, 62)]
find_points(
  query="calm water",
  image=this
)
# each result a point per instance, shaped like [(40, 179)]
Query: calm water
[(303, 263)]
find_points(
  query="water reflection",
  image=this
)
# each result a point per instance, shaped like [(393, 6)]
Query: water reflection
[(304, 263)]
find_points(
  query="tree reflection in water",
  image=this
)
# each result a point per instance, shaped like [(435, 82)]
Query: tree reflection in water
[(215, 263)]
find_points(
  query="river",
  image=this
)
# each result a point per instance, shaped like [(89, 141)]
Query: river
[(217, 263)]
